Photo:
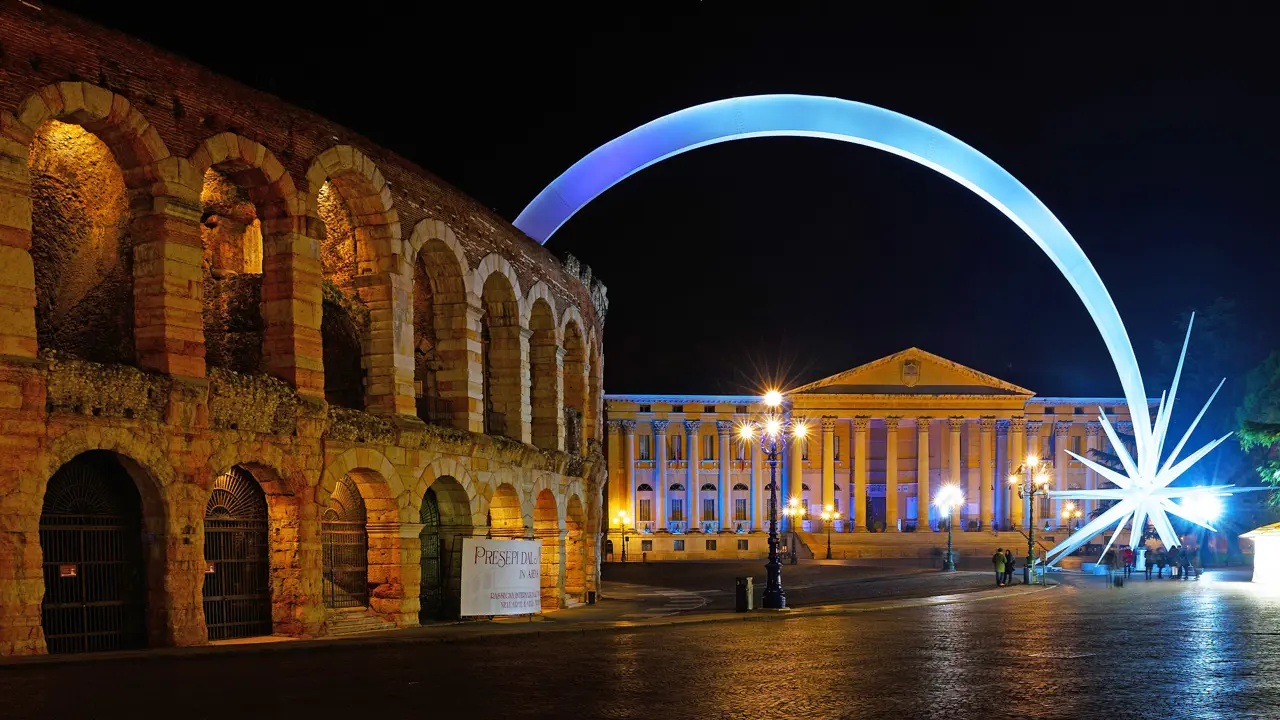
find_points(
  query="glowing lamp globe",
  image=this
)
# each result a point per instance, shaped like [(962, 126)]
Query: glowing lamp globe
[(773, 398)]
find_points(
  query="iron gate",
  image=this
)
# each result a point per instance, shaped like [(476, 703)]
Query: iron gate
[(94, 573), (345, 542), (431, 594), (237, 581)]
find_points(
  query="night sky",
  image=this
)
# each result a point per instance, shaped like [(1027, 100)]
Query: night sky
[(1152, 137)]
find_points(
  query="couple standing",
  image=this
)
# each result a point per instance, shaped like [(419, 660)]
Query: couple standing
[(1003, 562)]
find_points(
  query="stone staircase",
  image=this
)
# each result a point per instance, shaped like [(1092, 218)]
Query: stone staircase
[(912, 544), (350, 621)]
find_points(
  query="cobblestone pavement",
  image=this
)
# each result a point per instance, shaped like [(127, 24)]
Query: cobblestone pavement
[(1158, 649)]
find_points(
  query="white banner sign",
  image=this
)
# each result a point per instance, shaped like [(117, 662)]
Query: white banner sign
[(501, 577)]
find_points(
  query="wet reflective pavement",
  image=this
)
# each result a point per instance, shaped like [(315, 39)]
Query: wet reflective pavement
[(1163, 649)]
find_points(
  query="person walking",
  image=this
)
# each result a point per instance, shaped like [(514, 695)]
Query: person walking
[(1151, 562), (997, 561), (1161, 560), (1008, 566), (1127, 554), (1173, 563)]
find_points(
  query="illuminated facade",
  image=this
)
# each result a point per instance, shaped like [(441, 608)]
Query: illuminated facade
[(875, 432)]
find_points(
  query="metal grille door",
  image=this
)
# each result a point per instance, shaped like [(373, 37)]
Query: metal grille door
[(345, 544), (237, 590), (432, 594), (94, 578)]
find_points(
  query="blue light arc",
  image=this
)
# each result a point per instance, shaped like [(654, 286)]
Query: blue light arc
[(847, 121)]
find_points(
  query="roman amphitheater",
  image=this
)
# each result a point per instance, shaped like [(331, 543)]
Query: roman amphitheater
[(257, 375)]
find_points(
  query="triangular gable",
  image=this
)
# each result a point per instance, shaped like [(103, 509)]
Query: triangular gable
[(912, 371)]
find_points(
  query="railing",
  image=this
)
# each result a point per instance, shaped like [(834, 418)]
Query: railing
[(645, 526), (710, 526), (495, 423), (436, 411), (677, 526)]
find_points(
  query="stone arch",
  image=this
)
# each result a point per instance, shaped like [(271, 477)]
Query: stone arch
[(368, 282), (90, 160), (250, 226), (575, 379), (446, 517), (575, 550), (449, 467), (504, 357), (377, 479), (444, 358), (548, 526), (545, 372), (506, 515)]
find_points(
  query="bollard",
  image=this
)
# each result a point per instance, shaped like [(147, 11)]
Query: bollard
[(744, 593)]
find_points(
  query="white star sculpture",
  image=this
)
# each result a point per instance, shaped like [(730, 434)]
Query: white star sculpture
[(1143, 488)]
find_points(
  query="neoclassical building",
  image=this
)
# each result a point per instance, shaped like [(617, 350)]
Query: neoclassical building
[(258, 375), (883, 437)]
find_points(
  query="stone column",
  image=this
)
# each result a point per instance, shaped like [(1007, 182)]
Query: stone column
[(291, 300), (891, 473), (829, 463), (660, 474), (986, 473), (692, 513), (858, 505), (167, 282), (954, 425), (922, 475), (1091, 431), (1061, 433), (388, 354), (461, 380), (1033, 448), (629, 443), (795, 469), (759, 477), (1001, 488), (1017, 456), (724, 432)]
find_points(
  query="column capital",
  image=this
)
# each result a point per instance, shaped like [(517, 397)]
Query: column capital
[(922, 423), (614, 425), (956, 424), (691, 427), (1002, 427), (891, 422), (861, 423), (1092, 429), (724, 427), (987, 423), (1124, 427), (1062, 428), (628, 426), (660, 426), (828, 424), (1033, 426), (1018, 423)]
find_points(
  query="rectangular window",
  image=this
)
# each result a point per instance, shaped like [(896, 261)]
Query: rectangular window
[(708, 447), (675, 447), (1050, 411), (836, 455), (708, 408), (677, 509), (677, 408), (740, 509), (708, 509), (1078, 410), (1109, 410), (677, 545), (646, 546), (1075, 444), (646, 510), (711, 544), (645, 409), (742, 545), (645, 447), (804, 451), (740, 409)]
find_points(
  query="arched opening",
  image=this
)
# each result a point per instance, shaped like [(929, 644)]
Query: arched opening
[(81, 246), (344, 320), (575, 386), (505, 518), (707, 513), (446, 519), (237, 553), (644, 507), (546, 527), (344, 541), (500, 335), (575, 551), (676, 511), (741, 507), (96, 569), (544, 366), (440, 356)]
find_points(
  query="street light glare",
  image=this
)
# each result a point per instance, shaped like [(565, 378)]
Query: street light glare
[(1013, 479), (773, 398), (800, 430), (746, 431), (1041, 479), (949, 496), (772, 427), (1032, 461)]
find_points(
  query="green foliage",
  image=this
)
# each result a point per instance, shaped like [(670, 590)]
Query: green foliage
[(1259, 417)]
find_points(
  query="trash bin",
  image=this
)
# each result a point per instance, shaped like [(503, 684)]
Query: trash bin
[(745, 594), (591, 597)]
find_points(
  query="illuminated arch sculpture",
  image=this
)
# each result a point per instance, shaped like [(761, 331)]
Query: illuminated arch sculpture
[(848, 121)]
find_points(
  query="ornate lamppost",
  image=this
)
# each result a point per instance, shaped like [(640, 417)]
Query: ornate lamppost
[(1031, 479), (623, 520), (795, 515), (774, 431), (948, 499), (1071, 516), (829, 517)]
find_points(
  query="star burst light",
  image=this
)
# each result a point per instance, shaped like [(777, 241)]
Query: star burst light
[(1142, 487)]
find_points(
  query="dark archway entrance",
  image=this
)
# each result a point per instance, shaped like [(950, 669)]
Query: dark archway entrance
[(432, 592), (94, 567), (446, 520), (345, 545), (237, 589)]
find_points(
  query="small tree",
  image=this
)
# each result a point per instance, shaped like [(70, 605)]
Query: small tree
[(1259, 417)]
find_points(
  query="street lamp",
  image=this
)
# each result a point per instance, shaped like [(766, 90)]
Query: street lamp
[(623, 521), (948, 499), (795, 512), (1036, 482), (1071, 515), (829, 516), (774, 432)]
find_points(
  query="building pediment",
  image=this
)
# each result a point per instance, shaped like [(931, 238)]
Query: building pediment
[(912, 372)]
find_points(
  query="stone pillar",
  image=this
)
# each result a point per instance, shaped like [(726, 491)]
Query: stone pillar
[(923, 510), (829, 463), (660, 474), (1017, 456), (1001, 488), (388, 354), (724, 432), (1061, 433), (759, 477), (461, 379), (394, 571), (168, 283), (1091, 431), (291, 299), (692, 513), (628, 428), (795, 471), (1033, 448), (17, 270), (891, 511), (858, 506), (955, 425), (986, 473)]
